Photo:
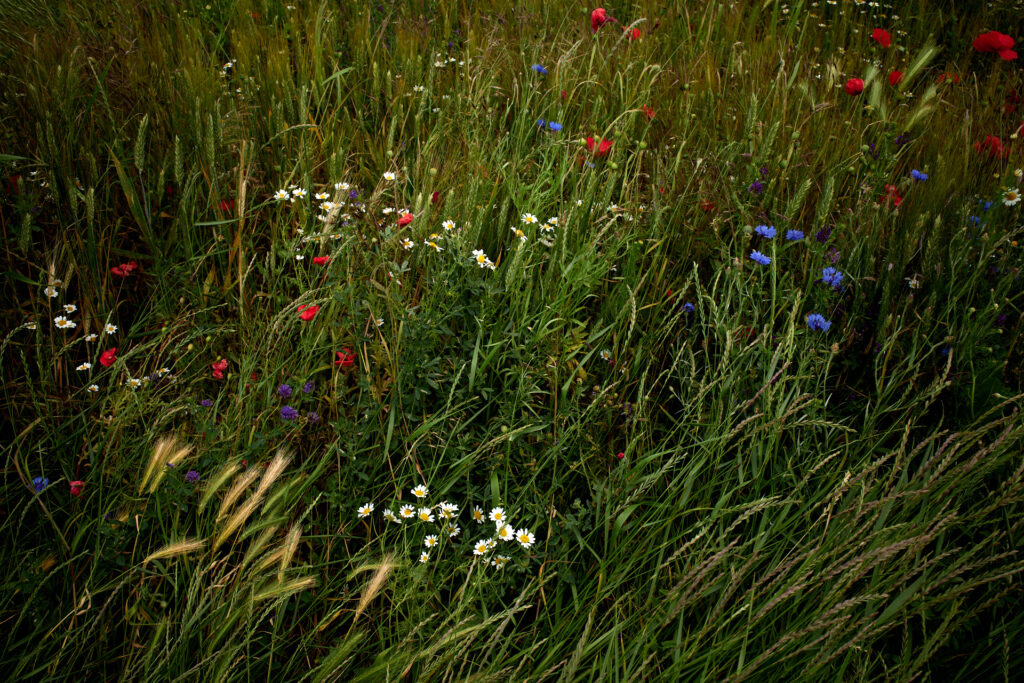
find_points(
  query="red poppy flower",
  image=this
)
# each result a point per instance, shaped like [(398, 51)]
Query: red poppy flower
[(76, 487), (895, 77), (602, 148), (707, 205), (952, 78), (564, 94), (434, 196), (854, 86), (125, 269), (219, 367), (307, 313), (649, 113), (321, 260), (882, 37), (345, 358), (405, 220), (598, 18), (634, 34), (108, 357), (620, 455), (997, 42), (892, 194), (227, 205), (993, 146)]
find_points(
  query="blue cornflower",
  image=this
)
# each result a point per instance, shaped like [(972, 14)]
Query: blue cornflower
[(794, 235), (284, 391), (206, 403), (760, 258), (308, 387), (192, 476), (289, 413), (540, 123), (832, 277), (540, 69), (816, 321), (554, 126), (688, 307), (917, 175), (766, 231), (985, 205), (40, 483)]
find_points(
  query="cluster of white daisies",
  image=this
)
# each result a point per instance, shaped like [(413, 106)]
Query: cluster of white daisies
[(446, 515)]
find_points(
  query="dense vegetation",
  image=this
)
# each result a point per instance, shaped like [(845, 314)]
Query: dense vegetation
[(716, 307)]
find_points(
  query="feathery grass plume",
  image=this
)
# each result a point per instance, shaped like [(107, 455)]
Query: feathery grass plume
[(285, 588), (260, 542), (274, 470), (236, 491), (182, 547), (291, 544), (167, 452), (377, 581), (216, 481)]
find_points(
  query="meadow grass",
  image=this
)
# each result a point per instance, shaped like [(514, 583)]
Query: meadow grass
[(706, 486)]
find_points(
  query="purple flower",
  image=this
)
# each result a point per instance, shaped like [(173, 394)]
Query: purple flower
[(764, 172), (757, 187), (308, 387), (206, 403), (284, 391), (40, 483), (816, 321), (766, 231), (312, 417), (760, 258), (192, 476), (688, 307), (289, 413), (833, 255), (824, 234), (794, 235), (352, 194)]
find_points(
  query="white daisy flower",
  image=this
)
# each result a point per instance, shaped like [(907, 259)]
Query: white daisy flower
[(424, 557), (480, 548), (498, 516), (430, 541), (281, 195), (342, 186), (1011, 196), (389, 175), (454, 531), (390, 517), (110, 329), (94, 388), (407, 511), (406, 243), (500, 561), (319, 196), (63, 323), (425, 515), (478, 514), (51, 292), (529, 219), (133, 383), (84, 366), (525, 538), (435, 245), (299, 193), (365, 510), (91, 337), (30, 325), (448, 225), (420, 491), (519, 233), (505, 532)]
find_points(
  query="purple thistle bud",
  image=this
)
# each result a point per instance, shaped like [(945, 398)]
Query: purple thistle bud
[(284, 391), (192, 476), (289, 413)]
